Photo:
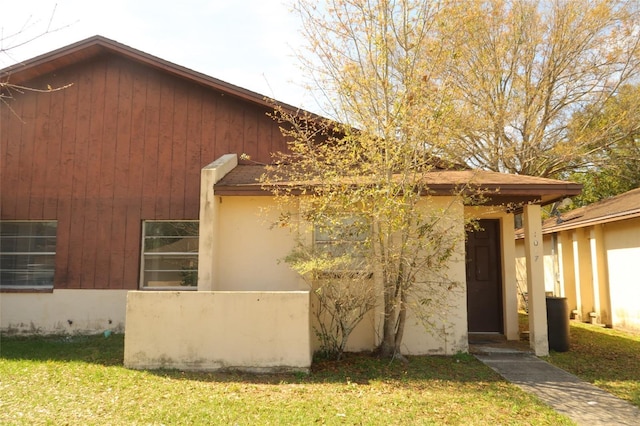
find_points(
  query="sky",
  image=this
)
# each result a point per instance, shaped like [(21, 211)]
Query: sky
[(249, 43)]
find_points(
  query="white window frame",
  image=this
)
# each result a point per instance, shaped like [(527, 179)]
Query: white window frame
[(34, 269), (158, 254)]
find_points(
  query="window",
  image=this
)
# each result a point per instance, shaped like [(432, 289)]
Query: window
[(27, 253), (345, 238), (170, 254)]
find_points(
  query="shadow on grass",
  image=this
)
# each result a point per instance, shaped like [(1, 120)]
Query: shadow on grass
[(361, 368), (95, 349)]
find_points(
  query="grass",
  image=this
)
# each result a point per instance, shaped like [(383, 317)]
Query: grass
[(80, 380), (610, 359)]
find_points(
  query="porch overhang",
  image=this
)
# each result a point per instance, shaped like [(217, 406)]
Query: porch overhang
[(514, 191)]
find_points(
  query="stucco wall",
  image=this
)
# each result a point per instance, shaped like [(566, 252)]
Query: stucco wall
[(441, 326), (250, 251), (550, 268), (598, 266), (254, 331), (250, 254), (622, 240), (63, 312)]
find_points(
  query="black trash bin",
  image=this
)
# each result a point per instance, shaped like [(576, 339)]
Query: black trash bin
[(558, 323)]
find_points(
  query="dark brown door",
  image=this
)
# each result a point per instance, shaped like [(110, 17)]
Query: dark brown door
[(484, 278)]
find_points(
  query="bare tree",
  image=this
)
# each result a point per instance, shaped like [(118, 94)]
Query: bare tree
[(31, 30), (523, 68), (379, 67)]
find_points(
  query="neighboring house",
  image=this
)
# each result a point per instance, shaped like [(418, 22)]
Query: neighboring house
[(123, 191), (591, 257)]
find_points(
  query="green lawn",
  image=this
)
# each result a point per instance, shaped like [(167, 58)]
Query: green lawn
[(81, 380), (610, 359)]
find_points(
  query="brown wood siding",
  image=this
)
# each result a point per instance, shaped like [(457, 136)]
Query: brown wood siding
[(122, 145)]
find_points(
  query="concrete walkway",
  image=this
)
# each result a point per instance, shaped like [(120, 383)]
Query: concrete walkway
[(582, 402)]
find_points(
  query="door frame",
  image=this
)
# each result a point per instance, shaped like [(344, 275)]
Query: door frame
[(498, 263)]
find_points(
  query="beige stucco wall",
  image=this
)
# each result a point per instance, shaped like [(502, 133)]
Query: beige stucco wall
[(441, 327), (622, 242), (250, 258), (63, 312), (250, 251), (253, 331), (598, 266), (550, 269)]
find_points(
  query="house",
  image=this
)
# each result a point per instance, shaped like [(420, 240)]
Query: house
[(590, 256), (125, 207)]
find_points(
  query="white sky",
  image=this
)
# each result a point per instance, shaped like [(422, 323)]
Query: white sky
[(248, 43)]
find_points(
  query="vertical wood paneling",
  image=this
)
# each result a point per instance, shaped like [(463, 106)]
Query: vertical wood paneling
[(265, 136), (163, 183), (25, 129), (52, 159), (135, 183), (193, 161), (121, 177), (106, 189), (179, 150), (91, 241), (38, 155), (209, 131), (236, 125), (151, 147), (125, 144), (223, 127), (11, 129), (250, 133), (65, 182), (80, 208)]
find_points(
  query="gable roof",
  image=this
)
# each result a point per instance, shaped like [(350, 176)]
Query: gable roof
[(620, 207), (501, 188), (25, 71)]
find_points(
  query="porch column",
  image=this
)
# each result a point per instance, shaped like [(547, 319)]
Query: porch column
[(576, 273), (207, 247), (601, 298), (538, 338)]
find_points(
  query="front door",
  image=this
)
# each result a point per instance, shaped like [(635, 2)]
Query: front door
[(484, 278)]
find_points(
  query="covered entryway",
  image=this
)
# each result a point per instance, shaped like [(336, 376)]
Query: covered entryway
[(484, 278)]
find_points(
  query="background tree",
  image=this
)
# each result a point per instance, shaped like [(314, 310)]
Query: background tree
[(10, 41), (614, 166), (379, 66), (525, 68)]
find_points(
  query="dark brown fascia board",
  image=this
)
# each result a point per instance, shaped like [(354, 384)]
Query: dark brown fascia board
[(501, 195), (568, 225), (92, 46)]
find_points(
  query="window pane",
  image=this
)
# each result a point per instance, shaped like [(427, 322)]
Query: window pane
[(171, 244), (27, 253), (170, 254), (170, 279), (171, 229)]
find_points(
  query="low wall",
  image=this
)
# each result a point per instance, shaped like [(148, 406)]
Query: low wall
[(250, 331), (63, 312)]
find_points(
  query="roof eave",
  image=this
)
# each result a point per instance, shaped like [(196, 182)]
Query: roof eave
[(96, 45)]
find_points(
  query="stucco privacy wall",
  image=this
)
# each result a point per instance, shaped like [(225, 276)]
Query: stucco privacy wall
[(63, 312), (622, 244), (253, 331)]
